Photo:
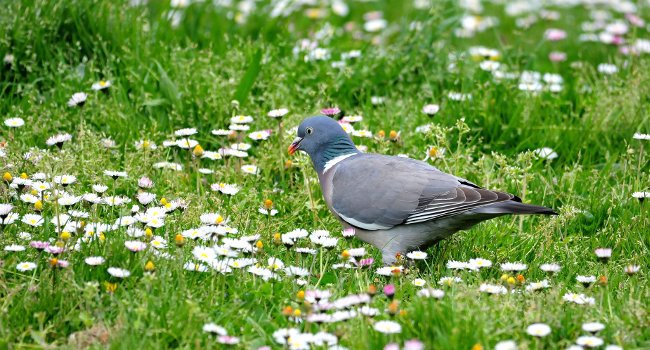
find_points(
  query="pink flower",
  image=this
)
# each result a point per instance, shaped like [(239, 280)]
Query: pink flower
[(389, 290), (331, 111), (553, 34), (413, 344), (366, 262), (227, 339), (40, 245), (145, 182), (52, 249), (557, 56)]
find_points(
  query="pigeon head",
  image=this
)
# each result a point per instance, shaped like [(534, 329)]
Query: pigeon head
[(323, 139)]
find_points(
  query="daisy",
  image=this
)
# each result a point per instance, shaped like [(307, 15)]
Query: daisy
[(213, 328), (603, 254), (65, 180), (5, 210), (14, 248), (375, 25), (479, 263), (538, 330), (608, 69), (185, 132), (448, 281), (534, 286), (14, 122), (348, 232), (388, 327), (430, 109), (352, 119), (241, 119), (271, 212), (186, 143), (227, 339), (259, 135), (135, 246), (631, 269), (25, 266), (553, 34), (417, 255), (221, 132), (593, 327), (158, 242), (390, 270), (101, 85), (94, 260), (492, 289), (589, 341), (330, 111), (278, 113), (145, 144), (586, 280), (456, 265), (550, 268), (10, 219), (77, 100), (58, 140), (190, 266), (249, 169), (224, 188), (579, 299), (118, 273), (545, 153), (33, 220), (513, 267), (639, 136), (431, 293), (506, 345), (458, 96)]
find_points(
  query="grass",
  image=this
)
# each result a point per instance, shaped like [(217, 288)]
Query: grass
[(166, 77)]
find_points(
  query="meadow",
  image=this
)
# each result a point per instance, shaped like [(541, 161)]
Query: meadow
[(148, 201)]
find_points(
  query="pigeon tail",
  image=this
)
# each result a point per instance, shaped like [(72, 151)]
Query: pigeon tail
[(514, 207)]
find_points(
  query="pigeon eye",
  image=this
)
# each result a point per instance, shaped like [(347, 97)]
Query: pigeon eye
[(309, 131)]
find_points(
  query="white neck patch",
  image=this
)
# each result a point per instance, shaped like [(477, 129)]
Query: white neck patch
[(334, 161)]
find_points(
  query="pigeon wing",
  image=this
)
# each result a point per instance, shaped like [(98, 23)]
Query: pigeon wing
[(376, 192)]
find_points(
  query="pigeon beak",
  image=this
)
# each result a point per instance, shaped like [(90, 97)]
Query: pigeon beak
[(294, 145)]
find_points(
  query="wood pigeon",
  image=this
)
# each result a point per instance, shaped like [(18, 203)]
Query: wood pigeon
[(396, 204)]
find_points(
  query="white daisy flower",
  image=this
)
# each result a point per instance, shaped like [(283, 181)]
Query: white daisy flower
[(14, 122), (213, 328), (241, 119), (259, 135), (608, 69), (185, 132), (513, 267), (118, 273), (593, 327), (416, 255), (101, 85), (640, 136), (506, 345), (77, 99), (534, 286), (431, 293), (249, 169), (479, 263), (538, 330), (58, 140), (33, 220), (94, 260), (545, 153), (448, 281), (579, 299), (589, 341), (278, 113), (14, 248), (25, 266), (551, 268), (388, 327), (430, 109), (492, 289)]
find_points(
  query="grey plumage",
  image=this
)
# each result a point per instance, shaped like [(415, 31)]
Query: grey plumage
[(396, 204)]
